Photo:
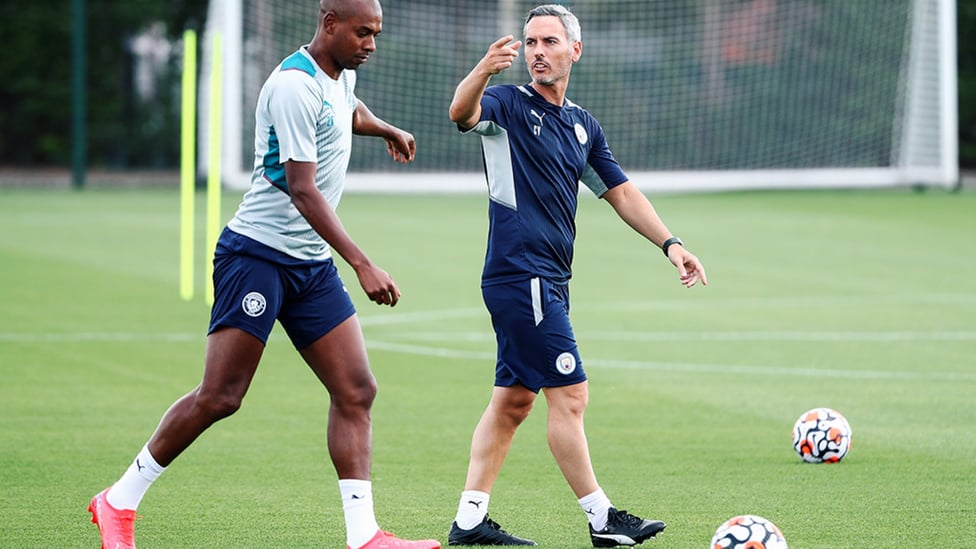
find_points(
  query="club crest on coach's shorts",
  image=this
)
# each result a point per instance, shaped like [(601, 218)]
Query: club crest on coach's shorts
[(566, 363), (254, 304)]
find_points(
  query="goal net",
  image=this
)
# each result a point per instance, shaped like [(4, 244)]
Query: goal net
[(692, 94)]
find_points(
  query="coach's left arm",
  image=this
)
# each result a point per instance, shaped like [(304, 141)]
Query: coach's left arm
[(638, 212)]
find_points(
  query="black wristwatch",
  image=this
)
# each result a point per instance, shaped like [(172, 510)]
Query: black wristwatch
[(667, 244)]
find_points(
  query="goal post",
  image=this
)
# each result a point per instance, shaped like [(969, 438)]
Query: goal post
[(224, 21), (693, 95)]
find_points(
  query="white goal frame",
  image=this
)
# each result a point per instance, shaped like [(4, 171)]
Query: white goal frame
[(927, 155)]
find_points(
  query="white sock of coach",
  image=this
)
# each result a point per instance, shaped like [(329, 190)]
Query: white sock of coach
[(596, 506), (472, 509)]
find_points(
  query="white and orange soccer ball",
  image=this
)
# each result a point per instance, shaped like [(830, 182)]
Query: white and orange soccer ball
[(821, 435), (748, 532)]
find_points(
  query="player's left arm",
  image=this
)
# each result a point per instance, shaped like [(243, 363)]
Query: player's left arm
[(400, 144), (638, 212)]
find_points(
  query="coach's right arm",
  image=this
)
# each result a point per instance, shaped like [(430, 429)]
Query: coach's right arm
[(466, 105)]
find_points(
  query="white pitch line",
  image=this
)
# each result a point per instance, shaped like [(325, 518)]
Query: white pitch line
[(429, 351), (781, 371), (744, 303), (751, 303), (690, 367), (486, 336), (886, 337), (107, 337), (393, 318), (488, 356), (424, 316), (732, 336)]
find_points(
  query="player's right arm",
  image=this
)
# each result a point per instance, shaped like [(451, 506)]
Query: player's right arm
[(293, 105), (308, 200), (466, 105)]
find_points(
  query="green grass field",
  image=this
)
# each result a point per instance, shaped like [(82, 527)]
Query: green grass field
[(861, 301)]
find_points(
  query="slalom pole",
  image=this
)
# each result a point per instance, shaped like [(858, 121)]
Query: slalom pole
[(213, 163), (187, 162)]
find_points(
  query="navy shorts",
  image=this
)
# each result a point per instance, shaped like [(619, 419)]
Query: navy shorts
[(255, 284), (536, 345)]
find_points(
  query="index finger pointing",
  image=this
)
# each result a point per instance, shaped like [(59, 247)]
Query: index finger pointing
[(502, 41)]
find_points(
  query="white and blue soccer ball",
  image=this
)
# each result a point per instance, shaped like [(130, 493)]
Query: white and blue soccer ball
[(748, 532), (821, 435)]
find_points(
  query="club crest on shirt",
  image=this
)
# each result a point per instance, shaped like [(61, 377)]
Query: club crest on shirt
[(581, 134), (328, 114), (566, 363)]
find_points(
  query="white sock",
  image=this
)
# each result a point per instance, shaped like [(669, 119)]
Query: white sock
[(595, 506), (357, 505), (128, 491), (472, 509)]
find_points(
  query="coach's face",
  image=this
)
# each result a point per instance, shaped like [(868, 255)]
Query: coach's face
[(549, 53)]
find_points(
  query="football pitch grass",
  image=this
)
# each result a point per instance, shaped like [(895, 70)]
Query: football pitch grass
[(856, 300)]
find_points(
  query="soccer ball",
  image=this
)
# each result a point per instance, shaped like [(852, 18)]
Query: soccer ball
[(821, 435), (748, 532)]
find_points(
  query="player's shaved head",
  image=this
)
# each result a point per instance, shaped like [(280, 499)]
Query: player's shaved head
[(346, 34), (345, 8)]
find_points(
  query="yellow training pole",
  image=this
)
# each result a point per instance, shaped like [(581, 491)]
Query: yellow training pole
[(213, 175), (187, 164)]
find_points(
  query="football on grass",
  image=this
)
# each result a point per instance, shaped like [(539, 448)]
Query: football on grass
[(748, 532), (821, 435)]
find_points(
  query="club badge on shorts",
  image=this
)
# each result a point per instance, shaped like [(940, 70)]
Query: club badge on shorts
[(566, 363), (254, 304)]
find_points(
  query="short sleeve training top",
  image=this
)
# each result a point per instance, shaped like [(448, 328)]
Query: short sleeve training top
[(303, 115), (536, 154)]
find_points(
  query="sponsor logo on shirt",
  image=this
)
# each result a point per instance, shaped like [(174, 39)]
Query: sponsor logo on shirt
[(537, 128)]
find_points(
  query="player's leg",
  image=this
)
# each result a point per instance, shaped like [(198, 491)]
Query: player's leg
[(239, 327), (320, 319), (339, 360), (231, 359), (248, 294)]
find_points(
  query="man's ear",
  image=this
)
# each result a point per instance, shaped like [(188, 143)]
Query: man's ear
[(329, 22)]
